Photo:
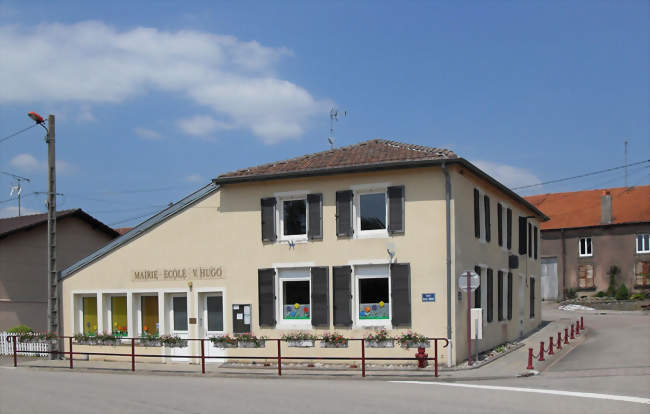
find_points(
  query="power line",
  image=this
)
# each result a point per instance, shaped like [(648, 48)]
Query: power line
[(559, 180), (16, 133), (151, 213)]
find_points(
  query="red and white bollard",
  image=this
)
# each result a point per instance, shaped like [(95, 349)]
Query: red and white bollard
[(559, 341), (566, 336), (550, 345), (582, 323), (541, 351), (530, 359), (577, 327), (572, 337)]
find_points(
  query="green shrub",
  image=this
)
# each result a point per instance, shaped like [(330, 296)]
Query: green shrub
[(622, 293), (20, 329), (600, 294), (637, 296), (571, 293)]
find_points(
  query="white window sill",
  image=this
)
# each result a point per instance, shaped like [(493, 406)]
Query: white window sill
[(375, 323), (585, 255), (372, 234), (298, 325), (295, 239)]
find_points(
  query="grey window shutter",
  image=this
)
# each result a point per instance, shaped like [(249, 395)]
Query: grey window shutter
[(477, 292), (535, 241), (320, 309), (532, 297), (341, 284), (477, 216), (268, 219), (266, 291), (530, 240), (488, 229), (344, 213), (396, 210), (509, 228), (500, 223), (490, 295), (509, 296), (522, 235), (400, 278), (500, 295), (315, 208)]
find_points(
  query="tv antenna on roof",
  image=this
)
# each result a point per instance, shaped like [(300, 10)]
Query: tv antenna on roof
[(17, 188), (334, 116)]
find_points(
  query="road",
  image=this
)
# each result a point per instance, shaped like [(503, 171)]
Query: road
[(613, 361)]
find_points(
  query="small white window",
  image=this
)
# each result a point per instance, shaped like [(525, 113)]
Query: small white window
[(372, 299), (295, 297), (371, 213), (293, 218), (643, 243), (584, 247)]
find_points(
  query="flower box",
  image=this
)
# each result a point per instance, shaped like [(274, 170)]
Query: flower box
[(303, 343), (225, 341), (149, 342), (324, 344), (384, 343), (225, 344), (416, 344), (260, 343), (176, 344)]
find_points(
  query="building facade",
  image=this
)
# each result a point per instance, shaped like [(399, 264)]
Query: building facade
[(23, 261), (350, 239), (588, 233)]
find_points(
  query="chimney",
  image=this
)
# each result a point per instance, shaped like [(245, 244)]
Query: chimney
[(606, 208)]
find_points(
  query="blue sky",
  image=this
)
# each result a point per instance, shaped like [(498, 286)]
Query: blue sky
[(153, 99)]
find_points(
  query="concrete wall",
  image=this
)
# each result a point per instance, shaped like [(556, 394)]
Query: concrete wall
[(612, 245), (223, 230), (23, 268)]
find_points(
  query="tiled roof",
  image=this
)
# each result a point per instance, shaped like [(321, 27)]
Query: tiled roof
[(123, 230), (583, 208), (374, 152), (14, 224)]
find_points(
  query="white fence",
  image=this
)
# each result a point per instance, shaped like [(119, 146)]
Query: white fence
[(7, 346)]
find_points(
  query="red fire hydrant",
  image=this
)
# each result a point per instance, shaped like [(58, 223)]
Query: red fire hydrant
[(422, 358)]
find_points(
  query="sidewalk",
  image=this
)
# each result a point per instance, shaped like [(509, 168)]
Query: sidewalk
[(509, 365)]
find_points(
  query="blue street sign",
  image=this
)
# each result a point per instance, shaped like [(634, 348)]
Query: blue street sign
[(428, 297)]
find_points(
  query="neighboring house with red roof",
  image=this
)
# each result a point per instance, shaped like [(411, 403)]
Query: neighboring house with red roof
[(23, 261), (590, 231)]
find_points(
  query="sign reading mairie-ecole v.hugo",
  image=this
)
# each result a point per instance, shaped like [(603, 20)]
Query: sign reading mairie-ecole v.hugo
[(180, 273)]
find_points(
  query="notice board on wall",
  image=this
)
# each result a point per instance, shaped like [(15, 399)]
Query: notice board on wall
[(241, 318)]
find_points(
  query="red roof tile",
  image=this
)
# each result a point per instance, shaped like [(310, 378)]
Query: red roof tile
[(372, 152), (583, 208)]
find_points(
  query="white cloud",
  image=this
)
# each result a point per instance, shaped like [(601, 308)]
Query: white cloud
[(27, 163), (194, 178), (85, 114), (506, 174), (146, 133), (13, 212), (92, 62), (201, 125)]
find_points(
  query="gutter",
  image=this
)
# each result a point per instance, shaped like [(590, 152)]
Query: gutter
[(448, 249)]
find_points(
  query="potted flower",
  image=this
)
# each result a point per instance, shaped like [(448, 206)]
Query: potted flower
[(225, 341), (85, 339), (333, 340), (171, 341), (149, 339), (107, 339), (300, 339), (248, 340), (379, 339), (412, 339), (37, 337)]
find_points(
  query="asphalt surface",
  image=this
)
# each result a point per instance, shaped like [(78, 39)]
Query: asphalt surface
[(613, 361)]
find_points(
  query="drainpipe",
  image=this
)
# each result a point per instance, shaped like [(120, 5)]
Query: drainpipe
[(448, 232), (563, 294)]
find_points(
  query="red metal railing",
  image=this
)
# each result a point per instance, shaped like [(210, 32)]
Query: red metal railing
[(279, 357)]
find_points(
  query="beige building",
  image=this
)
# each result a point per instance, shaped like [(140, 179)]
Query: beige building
[(354, 239), (23, 261)]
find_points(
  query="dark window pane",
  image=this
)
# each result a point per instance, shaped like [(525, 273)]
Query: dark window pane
[(180, 313), (215, 313), (149, 307), (372, 211), (296, 299), (373, 298), (295, 217)]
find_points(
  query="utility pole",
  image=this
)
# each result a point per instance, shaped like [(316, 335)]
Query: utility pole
[(52, 287)]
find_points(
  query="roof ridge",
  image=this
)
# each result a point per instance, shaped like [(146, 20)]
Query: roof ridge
[(623, 188)]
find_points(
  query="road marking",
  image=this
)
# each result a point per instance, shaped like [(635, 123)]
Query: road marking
[(625, 398)]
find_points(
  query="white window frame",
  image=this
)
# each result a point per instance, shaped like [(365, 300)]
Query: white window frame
[(138, 299), (360, 234), (591, 245), (204, 314), (646, 248), (380, 323), (291, 323), (79, 304), (109, 311), (170, 313), (280, 217)]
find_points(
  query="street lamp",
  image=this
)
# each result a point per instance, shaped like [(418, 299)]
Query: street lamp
[(52, 285)]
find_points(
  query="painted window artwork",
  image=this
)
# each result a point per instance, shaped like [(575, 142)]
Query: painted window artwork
[(118, 316), (296, 303), (373, 298), (90, 316), (149, 307)]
